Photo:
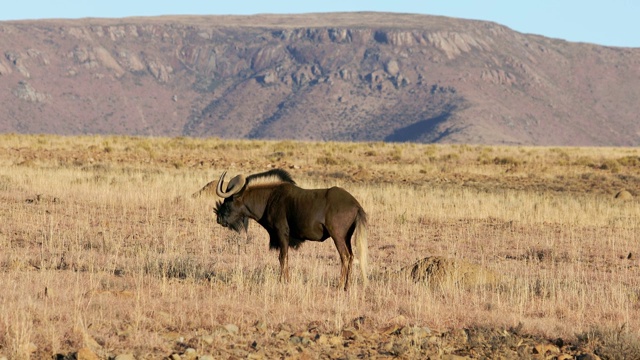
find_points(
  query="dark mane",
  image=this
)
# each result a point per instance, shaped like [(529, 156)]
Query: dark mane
[(271, 176)]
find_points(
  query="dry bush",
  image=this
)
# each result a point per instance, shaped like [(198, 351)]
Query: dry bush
[(108, 246)]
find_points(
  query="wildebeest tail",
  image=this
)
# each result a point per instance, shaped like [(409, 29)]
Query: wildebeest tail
[(361, 243)]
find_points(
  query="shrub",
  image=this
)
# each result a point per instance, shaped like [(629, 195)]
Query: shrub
[(507, 160), (613, 343), (611, 165), (629, 161)]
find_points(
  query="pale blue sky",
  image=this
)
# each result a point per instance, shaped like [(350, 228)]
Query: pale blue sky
[(612, 22)]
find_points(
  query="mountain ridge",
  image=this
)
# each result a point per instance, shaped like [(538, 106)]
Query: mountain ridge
[(328, 77)]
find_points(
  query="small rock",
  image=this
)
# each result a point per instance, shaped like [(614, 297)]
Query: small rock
[(260, 326), (542, 349), (415, 331), (385, 347), (361, 322), (336, 341), (206, 357), (454, 357), (282, 335), (208, 339), (623, 195), (86, 354), (349, 334), (231, 328), (398, 348), (321, 339), (125, 357), (392, 67), (173, 336), (190, 354), (390, 329), (588, 357)]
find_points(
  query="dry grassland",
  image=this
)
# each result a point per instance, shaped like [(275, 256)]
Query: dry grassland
[(102, 246)]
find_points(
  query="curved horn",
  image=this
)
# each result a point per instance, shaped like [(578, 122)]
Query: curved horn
[(233, 187)]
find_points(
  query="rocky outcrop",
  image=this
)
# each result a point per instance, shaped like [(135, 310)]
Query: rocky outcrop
[(454, 44), (4, 69), (24, 91), (161, 72)]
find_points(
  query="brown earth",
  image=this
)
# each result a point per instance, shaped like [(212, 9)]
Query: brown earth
[(359, 340), (335, 76)]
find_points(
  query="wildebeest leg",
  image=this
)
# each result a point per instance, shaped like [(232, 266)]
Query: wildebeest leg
[(279, 239), (284, 264), (346, 259)]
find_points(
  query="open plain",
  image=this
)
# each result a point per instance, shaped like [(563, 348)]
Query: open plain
[(474, 252)]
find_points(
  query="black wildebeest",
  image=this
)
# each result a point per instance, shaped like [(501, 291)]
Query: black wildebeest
[(292, 215)]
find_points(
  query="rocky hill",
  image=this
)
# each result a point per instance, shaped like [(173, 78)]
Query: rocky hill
[(333, 76)]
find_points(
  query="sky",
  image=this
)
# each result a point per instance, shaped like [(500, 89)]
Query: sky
[(611, 23)]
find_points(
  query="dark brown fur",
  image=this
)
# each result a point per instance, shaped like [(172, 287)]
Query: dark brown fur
[(292, 215)]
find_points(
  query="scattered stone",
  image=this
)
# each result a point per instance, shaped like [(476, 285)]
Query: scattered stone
[(390, 329), (454, 357), (86, 354), (231, 328), (349, 334), (543, 349), (24, 91), (125, 357), (399, 348), (173, 336), (392, 68), (267, 78), (588, 357), (161, 72), (190, 354), (415, 331), (4, 70), (335, 341), (631, 256), (406, 341), (623, 195), (208, 339), (282, 335), (260, 326), (321, 339)]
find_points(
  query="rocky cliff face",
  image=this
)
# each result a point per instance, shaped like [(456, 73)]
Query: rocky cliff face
[(359, 76)]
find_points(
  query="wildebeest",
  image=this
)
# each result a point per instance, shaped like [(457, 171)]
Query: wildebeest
[(209, 190), (292, 215)]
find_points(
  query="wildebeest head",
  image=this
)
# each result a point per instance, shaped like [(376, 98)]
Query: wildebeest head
[(229, 211)]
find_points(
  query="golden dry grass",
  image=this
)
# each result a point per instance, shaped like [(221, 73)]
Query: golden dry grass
[(101, 244)]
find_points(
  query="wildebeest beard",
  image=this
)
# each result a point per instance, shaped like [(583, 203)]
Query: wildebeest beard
[(227, 217)]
